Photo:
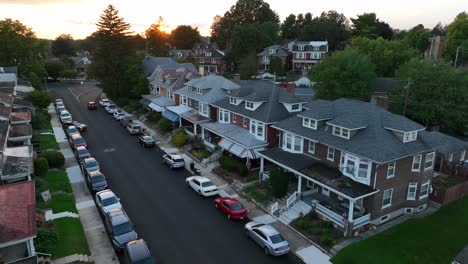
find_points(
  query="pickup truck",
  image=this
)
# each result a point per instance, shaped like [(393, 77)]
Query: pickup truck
[(133, 128)]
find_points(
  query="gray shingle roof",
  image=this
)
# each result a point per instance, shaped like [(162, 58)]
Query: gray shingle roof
[(185, 54), (234, 133), (9, 69), (214, 54), (448, 144), (214, 87), (373, 142), (272, 96), (150, 63), (3, 134), (7, 80), (280, 51)]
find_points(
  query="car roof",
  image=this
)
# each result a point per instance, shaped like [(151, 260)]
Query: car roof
[(81, 148), (91, 102), (95, 173), (268, 230), (106, 194), (137, 250), (118, 216), (76, 136), (175, 156), (90, 159), (105, 99), (72, 127), (231, 200), (63, 112), (201, 179)]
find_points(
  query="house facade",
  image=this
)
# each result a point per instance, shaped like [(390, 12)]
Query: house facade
[(209, 57), (307, 53), (81, 64), (278, 51), (355, 163), (181, 55)]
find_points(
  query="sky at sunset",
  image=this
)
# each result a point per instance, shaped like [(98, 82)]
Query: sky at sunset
[(50, 18)]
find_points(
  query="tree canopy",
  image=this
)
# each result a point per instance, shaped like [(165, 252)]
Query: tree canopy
[(347, 73), (63, 45), (158, 40), (248, 66), (457, 32), (54, 68), (417, 38), (184, 37), (276, 66), (369, 26), (253, 38)]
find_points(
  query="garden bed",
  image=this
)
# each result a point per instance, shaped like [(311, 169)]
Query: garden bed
[(260, 193), (320, 231), (230, 176)]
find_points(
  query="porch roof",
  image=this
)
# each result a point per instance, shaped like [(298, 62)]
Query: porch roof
[(318, 171), (234, 133), (194, 117)]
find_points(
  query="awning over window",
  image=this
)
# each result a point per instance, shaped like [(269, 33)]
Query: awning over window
[(156, 107), (238, 150), (173, 117)]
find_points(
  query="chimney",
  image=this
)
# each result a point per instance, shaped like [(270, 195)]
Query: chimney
[(291, 87), (382, 101), (237, 78)]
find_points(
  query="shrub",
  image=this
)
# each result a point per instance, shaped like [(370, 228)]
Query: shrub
[(164, 124), (39, 98), (46, 240), (233, 165), (55, 159), (328, 240), (41, 167), (121, 102), (40, 120), (154, 117), (179, 139), (326, 224), (279, 182)]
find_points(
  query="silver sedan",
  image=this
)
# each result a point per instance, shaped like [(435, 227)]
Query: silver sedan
[(268, 238)]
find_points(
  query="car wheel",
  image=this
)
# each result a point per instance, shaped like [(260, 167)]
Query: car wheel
[(229, 216), (266, 250)]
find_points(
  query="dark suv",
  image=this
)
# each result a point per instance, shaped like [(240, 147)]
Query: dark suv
[(119, 228), (136, 252)]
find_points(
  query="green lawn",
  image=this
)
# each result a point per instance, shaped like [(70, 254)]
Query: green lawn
[(59, 203), (437, 238), (47, 142), (255, 194), (58, 181), (40, 120), (71, 238)]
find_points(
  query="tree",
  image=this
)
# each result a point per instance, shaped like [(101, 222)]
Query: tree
[(439, 30), (457, 32), (36, 82), (135, 79), (20, 47), (248, 66), (54, 68), (386, 55), (276, 66), (158, 40), (252, 38), (417, 38), (39, 98), (68, 74), (279, 182), (184, 37), (437, 95), (369, 26), (346, 74), (243, 12), (288, 27), (63, 45), (111, 52)]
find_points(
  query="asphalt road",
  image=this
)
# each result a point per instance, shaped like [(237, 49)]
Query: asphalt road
[(177, 224)]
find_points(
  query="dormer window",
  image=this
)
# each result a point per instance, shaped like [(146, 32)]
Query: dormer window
[(233, 100), (410, 136), (179, 55), (295, 107), (199, 91), (249, 105), (272, 51), (208, 54), (340, 132), (190, 88), (309, 123), (300, 47)]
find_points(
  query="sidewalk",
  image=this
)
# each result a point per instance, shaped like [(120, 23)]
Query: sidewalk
[(98, 242), (300, 246)]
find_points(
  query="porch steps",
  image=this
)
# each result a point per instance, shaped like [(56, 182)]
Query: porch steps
[(300, 208)]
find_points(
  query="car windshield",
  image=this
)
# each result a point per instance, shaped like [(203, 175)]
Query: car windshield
[(207, 184), (98, 178), (179, 160), (276, 239), (236, 207), (110, 201), (73, 130), (83, 152), (136, 127), (123, 228), (146, 138), (91, 164), (79, 140), (66, 116)]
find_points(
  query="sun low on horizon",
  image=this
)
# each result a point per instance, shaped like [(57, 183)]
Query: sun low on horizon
[(50, 18)]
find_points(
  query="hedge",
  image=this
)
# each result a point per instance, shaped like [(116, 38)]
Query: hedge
[(55, 159), (41, 167), (164, 124), (179, 139), (279, 182), (233, 165)]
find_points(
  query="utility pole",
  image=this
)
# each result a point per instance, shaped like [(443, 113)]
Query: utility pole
[(456, 57), (405, 94)]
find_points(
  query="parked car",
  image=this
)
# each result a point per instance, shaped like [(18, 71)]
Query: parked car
[(202, 185), (77, 140), (119, 228), (82, 127), (133, 128), (125, 121), (72, 130), (106, 201), (92, 105), (119, 114), (88, 165), (65, 117), (146, 141), (173, 161), (104, 102), (59, 104), (268, 238), (58, 101), (111, 108), (136, 252), (82, 153), (231, 207), (97, 181)]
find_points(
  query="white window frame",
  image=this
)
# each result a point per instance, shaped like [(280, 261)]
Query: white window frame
[(170, 95), (311, 147), (208, 54), (300, 47), (331, 154), (199, 91), (249, 105), (354, 167), (389, 197), (183, 100), (213, 61), (341, 132), (224, 116), (391, 168), (410, 136), (201, 110), (411, 195), (234, 118), (417, 159), (431, 160), (190, 88), (233, 100), (296, 143), (325, 191), (462, 155), (301, 55), (265, 58), (244, 121), (424, 190), (298, 107), (309, 123), (202, 60), (450, 157), (257, 129)]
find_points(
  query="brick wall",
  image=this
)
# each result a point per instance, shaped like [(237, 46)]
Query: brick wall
[(272, 137), (177, 99)]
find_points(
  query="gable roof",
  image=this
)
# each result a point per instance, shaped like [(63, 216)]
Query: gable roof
[(150, 63), (185, 54), (214, 87), (280, 51), (215, 53), (17, 204)]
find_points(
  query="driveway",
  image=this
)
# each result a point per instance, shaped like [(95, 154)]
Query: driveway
[(178, 225)]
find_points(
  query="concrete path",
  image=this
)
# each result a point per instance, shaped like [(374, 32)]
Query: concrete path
[(49, 215)]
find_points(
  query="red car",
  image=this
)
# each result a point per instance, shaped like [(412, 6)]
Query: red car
[(231, 207), (92, 106)]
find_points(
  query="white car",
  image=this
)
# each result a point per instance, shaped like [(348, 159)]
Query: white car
[(111, 108), (65, 117), (119, 114), (202, 185), (106, 200), (104, 102), (268, 238)]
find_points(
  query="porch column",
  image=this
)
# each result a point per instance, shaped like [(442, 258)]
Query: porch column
[(299, 185), (262, 164), (180, 121), (351, 211), (203, 133), (30, 246), (195, 129)]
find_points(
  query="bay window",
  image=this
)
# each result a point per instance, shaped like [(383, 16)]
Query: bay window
[(356, 168), (256, 128), (203, 110), (224, 116), (292, 143)]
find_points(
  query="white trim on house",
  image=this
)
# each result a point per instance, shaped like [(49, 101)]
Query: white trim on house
[(331, 153), (355, 168), (201, 109), (389, 197), (412, 190), (391, 168), (311, 143), (384, 218), (340, 132), (292, 144), (257, 129), (417, 159), (309, 123), (429, 160), (224, 116), (424, 190), (462, 155)]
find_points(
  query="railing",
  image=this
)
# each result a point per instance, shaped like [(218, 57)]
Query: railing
[(334, 217), (274, 208), (265, 176), (361, 221), (291, 200)]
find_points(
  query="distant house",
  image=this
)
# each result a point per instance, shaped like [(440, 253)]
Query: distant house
[(209, 57), (307, 53), (278, 51), (81, 64), (181, 55), (150, 63)]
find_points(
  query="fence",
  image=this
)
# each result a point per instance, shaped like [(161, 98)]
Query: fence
[(445, 196)]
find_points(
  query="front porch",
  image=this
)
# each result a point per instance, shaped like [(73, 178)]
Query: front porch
[(191, 120)]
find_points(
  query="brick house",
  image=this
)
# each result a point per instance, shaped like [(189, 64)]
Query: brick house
[(451, 158), (181, 55), (245, 117), (356, 163), (281, 52), (209, 57), (307, 53)]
